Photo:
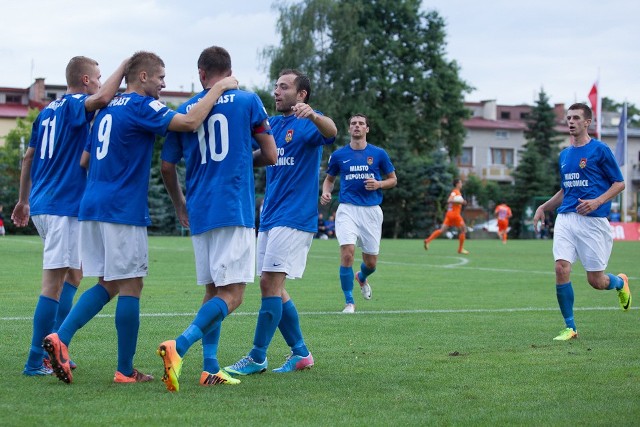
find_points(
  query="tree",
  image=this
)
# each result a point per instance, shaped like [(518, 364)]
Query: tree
[(11, 155), (545, 139), (486, 194), (385, 59), (537, 174)]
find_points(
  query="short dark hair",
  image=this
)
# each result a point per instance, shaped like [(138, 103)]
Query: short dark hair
[(588, 114), (456, 181), (301, 81), (78, 67), (366, 119), (142, 61), (215, 60)]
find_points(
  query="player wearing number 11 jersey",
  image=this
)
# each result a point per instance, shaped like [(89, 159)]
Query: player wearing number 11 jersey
[(51, 186), (114, 213), (219, 209)]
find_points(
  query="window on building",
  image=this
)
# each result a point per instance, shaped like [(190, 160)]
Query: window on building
[(52, 96), (502, 134), (505, 115), (13, 99), (524, 116), (466, 157), (502, 156)]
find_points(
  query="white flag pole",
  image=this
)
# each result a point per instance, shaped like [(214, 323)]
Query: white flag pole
[(625, 195)]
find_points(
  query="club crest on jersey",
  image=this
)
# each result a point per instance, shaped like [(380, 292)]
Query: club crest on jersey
[(289, 135), (583, 163), (369, 161)]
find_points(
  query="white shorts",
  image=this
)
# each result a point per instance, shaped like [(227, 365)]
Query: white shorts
[(586, 238), (225, 256), (359, 225), (60, 235), (113, 251), (283, 250)]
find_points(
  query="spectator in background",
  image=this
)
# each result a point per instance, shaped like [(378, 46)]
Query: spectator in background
[(322, 228), (330, 226)]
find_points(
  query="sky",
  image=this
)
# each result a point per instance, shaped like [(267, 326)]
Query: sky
[(507, 50)]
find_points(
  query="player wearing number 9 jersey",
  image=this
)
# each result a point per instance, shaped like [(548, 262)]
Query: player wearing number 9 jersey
[(219, 209), (114, 213)]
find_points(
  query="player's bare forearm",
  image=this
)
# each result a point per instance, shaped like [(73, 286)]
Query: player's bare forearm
[(108, 89), (327, 189), (267, 154), (172, 185), (189, 122), (325, 125), (586, 206), (549, 205), (389, 182)]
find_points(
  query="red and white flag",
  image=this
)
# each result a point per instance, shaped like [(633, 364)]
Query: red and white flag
[(594, 98)]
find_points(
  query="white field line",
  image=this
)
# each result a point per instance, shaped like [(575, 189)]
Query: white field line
[(364, 313)]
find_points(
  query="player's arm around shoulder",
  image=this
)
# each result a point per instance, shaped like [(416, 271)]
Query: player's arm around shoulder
[(193, 119), (108, 90)]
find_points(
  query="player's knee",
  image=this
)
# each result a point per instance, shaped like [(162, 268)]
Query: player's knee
[(563, 271)]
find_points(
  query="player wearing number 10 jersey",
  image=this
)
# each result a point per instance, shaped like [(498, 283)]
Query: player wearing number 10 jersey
[(219, 209), (114, 213)]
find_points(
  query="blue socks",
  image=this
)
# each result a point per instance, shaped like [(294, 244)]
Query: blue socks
[(290, 328), (564, 292), (127, 326), (615, 282), (66, 301), (209, 317), (43, 321), (89, 304), (365, 272), (346, 282), (268, 320), (210, 342)]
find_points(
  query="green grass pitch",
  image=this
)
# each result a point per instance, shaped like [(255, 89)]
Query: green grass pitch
[(446, 340)]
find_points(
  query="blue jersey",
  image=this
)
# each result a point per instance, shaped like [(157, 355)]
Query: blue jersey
[(291, 198), (354, 167), (58, 137), (219, 161), (586, 173), (121, 146)]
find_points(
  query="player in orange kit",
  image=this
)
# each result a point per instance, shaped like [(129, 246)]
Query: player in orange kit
[(453, 218), (503, 213)]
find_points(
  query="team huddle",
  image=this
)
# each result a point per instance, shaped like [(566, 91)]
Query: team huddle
[(84, 183)]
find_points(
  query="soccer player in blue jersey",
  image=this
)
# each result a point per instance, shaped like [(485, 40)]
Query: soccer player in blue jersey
[(219, 167), (114, 214), (590, 178), (289, 220), (51, 186), (365, 170)]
